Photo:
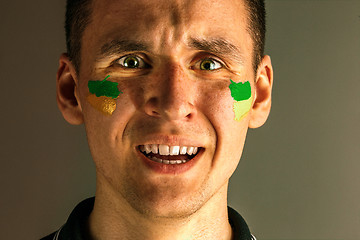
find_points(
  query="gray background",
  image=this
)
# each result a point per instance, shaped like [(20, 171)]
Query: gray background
[(299, 175)]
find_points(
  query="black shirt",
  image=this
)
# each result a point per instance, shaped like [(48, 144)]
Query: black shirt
[(76, 227)]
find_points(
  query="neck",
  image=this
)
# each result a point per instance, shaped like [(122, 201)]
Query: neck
[(114, 218)]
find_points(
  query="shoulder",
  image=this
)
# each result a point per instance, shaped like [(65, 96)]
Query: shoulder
[(75, 226), (239, 225), (50, 237)]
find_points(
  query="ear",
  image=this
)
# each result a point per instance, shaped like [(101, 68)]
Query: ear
[(263, 89), (66, 91)]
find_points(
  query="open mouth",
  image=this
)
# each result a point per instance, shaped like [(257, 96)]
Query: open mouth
[(170, 159)]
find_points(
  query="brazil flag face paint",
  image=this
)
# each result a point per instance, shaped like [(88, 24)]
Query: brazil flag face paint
[(241, 93), (103, 95)]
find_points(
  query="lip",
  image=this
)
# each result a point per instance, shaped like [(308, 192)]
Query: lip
[(174, 169), (170, 140)]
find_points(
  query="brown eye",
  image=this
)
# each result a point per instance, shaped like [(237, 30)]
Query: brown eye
[(210, 64), (132, 61)]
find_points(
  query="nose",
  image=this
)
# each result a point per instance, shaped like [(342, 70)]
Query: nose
[(175, 95)]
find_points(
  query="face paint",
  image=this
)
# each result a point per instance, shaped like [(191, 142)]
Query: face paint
[(104, 104), (103, 95), (241, 93)]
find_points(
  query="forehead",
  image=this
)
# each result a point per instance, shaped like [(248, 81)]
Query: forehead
[(165, 24)]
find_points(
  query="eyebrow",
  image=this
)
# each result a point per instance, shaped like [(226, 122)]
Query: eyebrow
[(116, 47), (218, 46)]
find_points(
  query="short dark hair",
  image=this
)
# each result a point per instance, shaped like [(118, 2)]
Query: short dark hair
[(78, 16), (257, 28)]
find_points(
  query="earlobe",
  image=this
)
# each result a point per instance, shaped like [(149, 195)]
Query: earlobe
[(66, 86), (262, 100)]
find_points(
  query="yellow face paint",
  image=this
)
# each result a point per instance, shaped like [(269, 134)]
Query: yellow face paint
[(103, 95), (241, 93), (105, 105), (242, 108)]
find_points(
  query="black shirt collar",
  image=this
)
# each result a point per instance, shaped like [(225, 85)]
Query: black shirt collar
[(76, 227)]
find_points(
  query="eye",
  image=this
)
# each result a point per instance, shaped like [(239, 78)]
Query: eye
[(132, 61), (210, 64)]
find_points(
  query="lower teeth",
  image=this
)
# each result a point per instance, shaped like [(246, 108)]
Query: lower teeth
[(167, 161)]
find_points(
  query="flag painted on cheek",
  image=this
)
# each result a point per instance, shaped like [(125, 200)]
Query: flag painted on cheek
[(241, 93), (103, 95)]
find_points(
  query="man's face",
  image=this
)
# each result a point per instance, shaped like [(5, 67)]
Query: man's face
[(172, 92)]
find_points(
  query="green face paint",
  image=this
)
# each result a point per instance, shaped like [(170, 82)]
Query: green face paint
[(104, 88), (103, 95), (241, 93)]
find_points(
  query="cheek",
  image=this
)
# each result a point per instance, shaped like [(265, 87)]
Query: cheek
[(105, 105), (242, 108), (242, 98), (102, 95), (228, 99), (216, 101)]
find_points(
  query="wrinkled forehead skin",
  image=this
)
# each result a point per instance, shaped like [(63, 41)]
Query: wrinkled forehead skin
[(166, 25)]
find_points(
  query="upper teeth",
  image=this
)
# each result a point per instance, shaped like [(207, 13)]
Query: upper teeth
[(168, 150)]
